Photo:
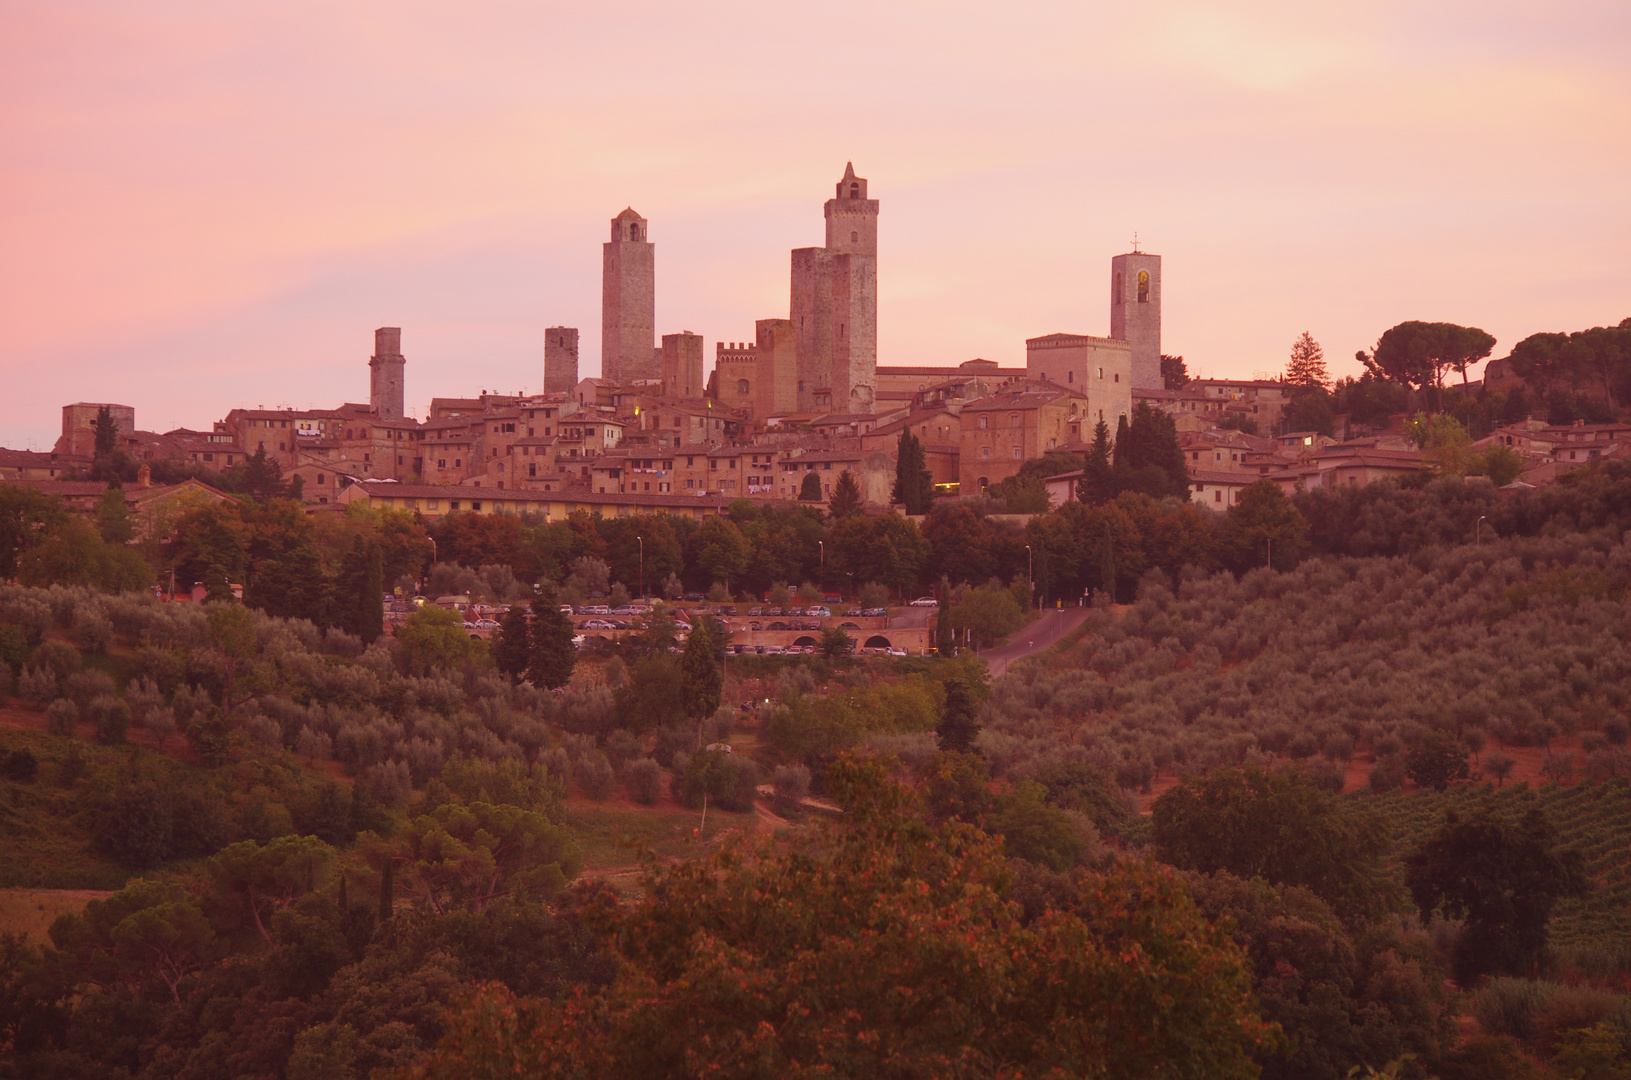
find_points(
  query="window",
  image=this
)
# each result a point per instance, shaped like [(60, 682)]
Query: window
[(1118, 376), (453, 505), (441, 463), (690, 483), (532, 469), (854, 237), (458, 463), (634, 231), (1070, 376), (1143, 286), (1016, 453), (855, 191), (1115, 291), (321, 479), (1217, 496), (1013, 419), (984, 421), (476, 506), (985, 453)]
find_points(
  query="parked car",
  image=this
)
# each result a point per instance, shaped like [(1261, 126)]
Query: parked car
[(925, 601), (896, 650), (833, 598), (852, 612), (486, 624), (567, 609), (727, 611), (597, 624), (755, 611), (876, 612), (819, 612), (692, 598)]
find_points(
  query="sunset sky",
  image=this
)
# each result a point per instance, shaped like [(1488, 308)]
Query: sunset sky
[(208, 205)]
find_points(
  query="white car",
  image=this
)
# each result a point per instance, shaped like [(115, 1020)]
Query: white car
[(925, 601), (486, 624), (897, 651), (819, 612)]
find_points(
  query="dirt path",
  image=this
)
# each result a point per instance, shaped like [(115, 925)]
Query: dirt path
[(1030, 640)]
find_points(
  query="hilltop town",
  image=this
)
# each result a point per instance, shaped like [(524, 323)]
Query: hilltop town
[(805, 397)]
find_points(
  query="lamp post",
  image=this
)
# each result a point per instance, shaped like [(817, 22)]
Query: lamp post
[(822, 544), (1478, 531), (642, 541), (1269, 540), (432, 541), (1030, 572)]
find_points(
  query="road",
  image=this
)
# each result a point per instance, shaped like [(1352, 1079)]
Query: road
[(1032, 639)]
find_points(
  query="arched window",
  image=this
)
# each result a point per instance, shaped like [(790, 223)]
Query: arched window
[(1115, 291), (1143, 286), (854, 237), (984, 420), (634, 231), (1070, 376), (855, 191), (741, 386)]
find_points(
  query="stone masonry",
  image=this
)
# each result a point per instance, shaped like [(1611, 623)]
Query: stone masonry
[(1135, 313), (628, 303), (560, 359), (385, 374)]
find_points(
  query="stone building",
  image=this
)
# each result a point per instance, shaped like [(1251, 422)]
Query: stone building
[(560, 359), (628, 303), (385, 374), (1099, 369), (682, 366), (79, 434), (835, 306), (998, 433)]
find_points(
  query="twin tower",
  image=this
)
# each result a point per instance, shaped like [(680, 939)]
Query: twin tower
[(827, 349)]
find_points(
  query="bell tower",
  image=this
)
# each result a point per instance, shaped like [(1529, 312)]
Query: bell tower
[(1135, 312)]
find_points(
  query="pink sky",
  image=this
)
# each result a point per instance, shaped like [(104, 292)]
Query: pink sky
[(210, 205)]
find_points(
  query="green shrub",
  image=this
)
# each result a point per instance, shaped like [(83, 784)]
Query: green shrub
[(644, 779), (111, 717), (1508, 1006), (63, 659), (61, 716)]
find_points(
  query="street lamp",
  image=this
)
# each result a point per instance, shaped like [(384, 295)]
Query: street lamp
[(642, 541), (1269, 540), (823, 546), (1030, 572), (1478, 531)]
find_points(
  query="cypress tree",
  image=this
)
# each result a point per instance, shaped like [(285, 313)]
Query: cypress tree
[(512, 648), (552, 655)]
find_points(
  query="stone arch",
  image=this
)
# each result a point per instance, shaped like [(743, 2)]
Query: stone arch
[(876, 641), (805, 640), (1143, 286)]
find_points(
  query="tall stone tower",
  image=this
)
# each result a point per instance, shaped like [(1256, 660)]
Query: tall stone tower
[(682, 365), (628, 303), (1135, 313), (560, 359), (835, 306), (385, 374)]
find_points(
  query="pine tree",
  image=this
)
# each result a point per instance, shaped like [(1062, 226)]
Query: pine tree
[(1306, 368), (701, 681), (552, 656), (959, 720), (1174, 373), (359, 588), (106, 429), (846, 496), (1097, 485), (113, 517), (512, 648), (810, 489)]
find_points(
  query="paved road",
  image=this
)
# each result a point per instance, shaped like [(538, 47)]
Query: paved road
[(1032, 639)]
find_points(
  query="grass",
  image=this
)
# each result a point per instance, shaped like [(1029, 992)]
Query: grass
[(614, 836), (45, 828), (31, 912)]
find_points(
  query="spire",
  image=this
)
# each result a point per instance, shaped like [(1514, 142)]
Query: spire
[(849, 170)]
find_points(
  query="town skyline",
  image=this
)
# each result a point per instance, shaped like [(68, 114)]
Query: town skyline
[(212, 211)]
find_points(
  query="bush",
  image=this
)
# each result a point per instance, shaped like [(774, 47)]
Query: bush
[(729, 780), (19, 766), (61, 716), (86, 686), (112, 719), (37, 683), (134, 829), (596, 776), (1508, 1006), (60, 657), (644, 779), (792, 784)]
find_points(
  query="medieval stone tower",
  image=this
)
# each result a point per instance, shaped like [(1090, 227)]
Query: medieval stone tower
[(1135, 313), (385, 374), (682, 365), (628, 303), (560, 359), (835, 306)]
